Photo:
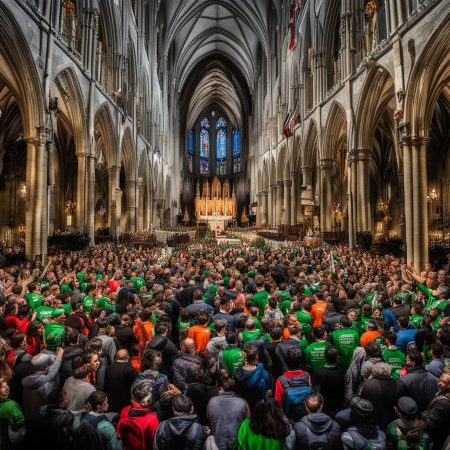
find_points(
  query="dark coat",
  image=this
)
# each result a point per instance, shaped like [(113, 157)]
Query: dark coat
[(168, 350), (181, 432), (421, 386), (315, 429), (118, 380)]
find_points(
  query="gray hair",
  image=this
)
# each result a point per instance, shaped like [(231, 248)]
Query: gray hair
[(141, 391), (381, 370)]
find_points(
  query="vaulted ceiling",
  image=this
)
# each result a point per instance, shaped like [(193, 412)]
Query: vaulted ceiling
[(199, 32)]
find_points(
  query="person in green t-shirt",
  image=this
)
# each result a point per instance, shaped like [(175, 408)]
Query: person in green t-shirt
[(231, 357), (54, 330), (345, 339), (365, 317), (416, 317), (138, 282), (250, 332), (261, 299), (315, 352), (392, 355), (34, 296), (11, 414), (304, 319), (44, 313), (88, 300)]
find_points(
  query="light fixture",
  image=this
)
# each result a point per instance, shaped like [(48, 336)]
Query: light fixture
[(23, 191)]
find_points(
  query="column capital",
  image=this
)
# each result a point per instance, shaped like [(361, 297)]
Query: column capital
[(415, 140), (306, 169), (326, 163), (287, 183), (279, 183)]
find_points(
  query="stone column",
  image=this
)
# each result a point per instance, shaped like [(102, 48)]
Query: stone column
[(90, 210), (363, 210), (408, 192), (259, 210), (81, 192), (51, 188), (352, 183), (419, 201), (326, 201), (295, 196), (264, 218), (118, 211), (279, 203), (286, 219), (141, 203), (114, 181), (270, 206), (36, 182), (131, 206)]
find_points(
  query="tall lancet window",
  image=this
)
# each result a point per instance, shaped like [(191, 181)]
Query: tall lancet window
[(204, 146), (221, 147), (191, 151), (236, 151)]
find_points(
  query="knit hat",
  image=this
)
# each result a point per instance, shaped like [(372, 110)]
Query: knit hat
[(407, 406), (40, 360), (361, 406)]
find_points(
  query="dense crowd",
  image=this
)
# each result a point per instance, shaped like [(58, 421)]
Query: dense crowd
[(124, 348)]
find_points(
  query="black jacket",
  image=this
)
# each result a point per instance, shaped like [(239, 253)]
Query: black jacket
[(125, 336), (330, 381), (66, 370), (183, 370), (316, 429), (168, 350), (118, 380), (420, 385), (182, 432), (438, 418)]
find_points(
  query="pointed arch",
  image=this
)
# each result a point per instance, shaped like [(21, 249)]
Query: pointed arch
[(334, 129), (311, 147), (377, 93), (69, 90), (105, 135), (128, 155)]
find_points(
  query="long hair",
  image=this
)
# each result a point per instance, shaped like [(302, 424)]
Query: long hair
[(269, 420)]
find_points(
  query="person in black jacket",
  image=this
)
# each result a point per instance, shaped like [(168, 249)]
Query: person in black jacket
[(419, 384), (119, 377), (181, 431), (124, 332), (161, 343), (330, 382)]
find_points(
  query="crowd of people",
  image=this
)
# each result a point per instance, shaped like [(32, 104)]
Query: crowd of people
[(297, 348)]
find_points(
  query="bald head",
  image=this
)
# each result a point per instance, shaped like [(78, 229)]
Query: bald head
[(189, 346), (122, 355)]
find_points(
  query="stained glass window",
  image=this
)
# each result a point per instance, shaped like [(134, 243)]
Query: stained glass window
[(236, 135), (204, 151), (204, 123), (191, 142), (221, 147)]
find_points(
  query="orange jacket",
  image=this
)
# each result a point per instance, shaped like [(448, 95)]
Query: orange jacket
[(368, 336), (317, 312), (201, 335)]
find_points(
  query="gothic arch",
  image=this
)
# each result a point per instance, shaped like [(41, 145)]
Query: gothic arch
[(377, 93), (429, 77), (69, 89), (334, 129), (105, 135), (282, 164), (311, 147), (128, 156), (18, 70)]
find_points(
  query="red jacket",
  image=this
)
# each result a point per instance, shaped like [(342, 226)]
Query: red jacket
[(137, 427)]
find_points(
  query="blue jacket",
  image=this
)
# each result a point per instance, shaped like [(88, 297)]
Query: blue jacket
[(390, 319), (404, 337), (253, 384)]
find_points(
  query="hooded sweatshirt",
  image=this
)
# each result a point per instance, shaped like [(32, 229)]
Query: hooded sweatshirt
[(317, 428), (180, 432), (253, 384)]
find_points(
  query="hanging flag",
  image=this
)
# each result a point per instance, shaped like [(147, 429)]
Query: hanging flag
[(286, 125), (293, 17)]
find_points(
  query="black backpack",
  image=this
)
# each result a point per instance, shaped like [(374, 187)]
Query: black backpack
[(87, 437)]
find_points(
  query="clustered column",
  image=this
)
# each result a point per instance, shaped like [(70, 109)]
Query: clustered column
[(326, 166)]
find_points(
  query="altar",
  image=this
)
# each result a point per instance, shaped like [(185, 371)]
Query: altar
[(215, 220)]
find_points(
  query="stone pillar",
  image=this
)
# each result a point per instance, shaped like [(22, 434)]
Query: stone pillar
[(326, 200), (295, 196), (51, 188), (419, 201), (270, 205), (279, 203), (81, 192), (141, 203), (264, 218), (90, 210), (131, 206), (118, 211), (114, 181), (352, 183), (363, 207), (259, 210), (286, 219), (36, 182)]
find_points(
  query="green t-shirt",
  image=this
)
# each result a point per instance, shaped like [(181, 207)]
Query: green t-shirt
[(345, 340), (67, 308), (362, 323), (247, 439), (285, 306), (34, 299), (138, 282), (397, 439), (80, 277), (88, 303), (416, 320), (260, 300), (306, 322), (53, 333), (44, 312), (232, 359), (315, 354), (431, 298), (104, 302), (250, 335), (10, 411), (396, 359)]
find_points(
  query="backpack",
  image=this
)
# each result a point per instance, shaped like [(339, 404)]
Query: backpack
[(315, 441), (87, 437), (363, 443), (295, 391)]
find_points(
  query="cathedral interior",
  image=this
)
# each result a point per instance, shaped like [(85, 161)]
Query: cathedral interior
[(129, 115)]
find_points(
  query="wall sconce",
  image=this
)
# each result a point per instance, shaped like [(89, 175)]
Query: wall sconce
[(23, 191)]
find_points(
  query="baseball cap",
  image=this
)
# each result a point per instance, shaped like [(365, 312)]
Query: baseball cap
[(407, 405)]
